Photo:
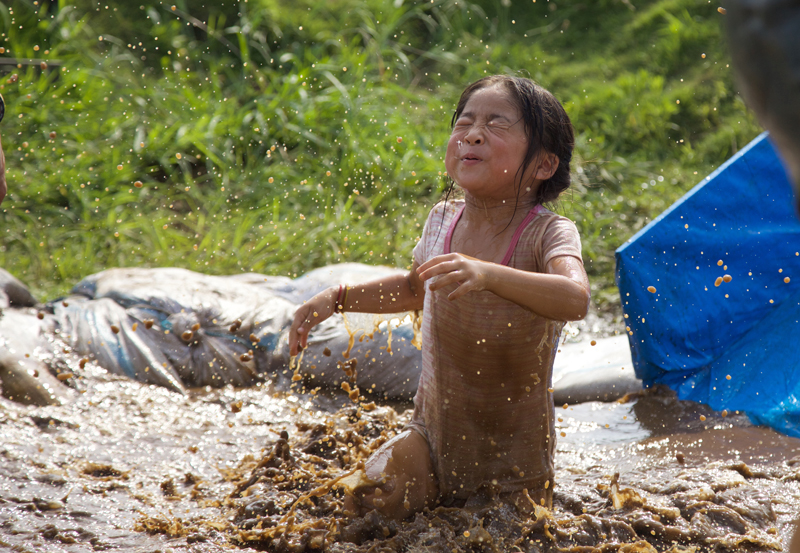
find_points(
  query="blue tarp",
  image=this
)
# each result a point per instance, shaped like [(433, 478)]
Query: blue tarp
[(735, 345)]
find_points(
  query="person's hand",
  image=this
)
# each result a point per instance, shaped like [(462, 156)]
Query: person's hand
[(469, 273), (309, 315)]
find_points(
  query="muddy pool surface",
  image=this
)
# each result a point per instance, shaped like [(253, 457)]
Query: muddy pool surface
[(133, 467)]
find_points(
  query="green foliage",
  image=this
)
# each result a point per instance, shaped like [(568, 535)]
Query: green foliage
[(279, 136)]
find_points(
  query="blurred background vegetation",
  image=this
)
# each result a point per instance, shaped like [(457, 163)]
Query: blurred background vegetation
[(276, 136)]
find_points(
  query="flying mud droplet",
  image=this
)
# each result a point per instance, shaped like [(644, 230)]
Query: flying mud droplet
[(593, 343), (786, 280), (680, 458), (271, 179), (236, 406), (327, 173), (43, 65), (718, 281), (52, 135), (195, 327), (727, 377), (651, 289), (138, 184), (173, 8), (134, 326), (237, 324), (64, 376), (254, 338), (719, 263), (148, 323), (399, 139), (40, 315), (727, 278), (702, 418), (722, 10), (187, 335), (724, 412), (115, 329), (565, 406), (82, 362), (703, 56), (296, 377), (178, 156), (326, 352)]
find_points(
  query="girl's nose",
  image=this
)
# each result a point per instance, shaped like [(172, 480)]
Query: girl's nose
[(474, 136)]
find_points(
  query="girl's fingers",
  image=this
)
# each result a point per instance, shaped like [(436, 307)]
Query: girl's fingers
[(440, 268), (446, 280), (434, 261)]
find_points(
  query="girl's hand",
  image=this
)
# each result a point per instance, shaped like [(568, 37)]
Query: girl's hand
[(470, 274), (309, 315)]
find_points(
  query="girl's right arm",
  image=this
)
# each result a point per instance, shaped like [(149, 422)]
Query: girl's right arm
[(393, 294)]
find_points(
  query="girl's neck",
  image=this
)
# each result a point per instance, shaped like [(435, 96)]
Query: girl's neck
[(496, 212)]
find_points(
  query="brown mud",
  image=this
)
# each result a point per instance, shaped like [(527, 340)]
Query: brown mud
[(128, 466)]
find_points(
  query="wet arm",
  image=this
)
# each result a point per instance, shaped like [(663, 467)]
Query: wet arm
[(561, 294), (387, 295), (394, 294)]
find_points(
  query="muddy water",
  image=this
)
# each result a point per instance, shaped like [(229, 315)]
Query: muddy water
[(133, 467)]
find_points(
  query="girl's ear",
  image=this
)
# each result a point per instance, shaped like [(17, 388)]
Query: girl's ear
[(547, 166)]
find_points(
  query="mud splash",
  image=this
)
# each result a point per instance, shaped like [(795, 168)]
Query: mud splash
[(135, 467)]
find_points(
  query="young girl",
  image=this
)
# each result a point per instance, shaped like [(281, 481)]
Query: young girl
[(497, 275)]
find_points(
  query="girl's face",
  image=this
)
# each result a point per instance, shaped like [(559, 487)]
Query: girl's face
[(488, 145)]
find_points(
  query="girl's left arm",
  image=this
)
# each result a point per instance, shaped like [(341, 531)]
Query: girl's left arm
[(561, 294)]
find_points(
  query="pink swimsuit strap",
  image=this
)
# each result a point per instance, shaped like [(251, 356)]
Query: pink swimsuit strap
[(520, 229)]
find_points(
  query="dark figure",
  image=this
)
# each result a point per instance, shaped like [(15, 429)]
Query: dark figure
[(764, 38)]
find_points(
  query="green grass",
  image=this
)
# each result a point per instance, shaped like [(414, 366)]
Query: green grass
[(232, 116)]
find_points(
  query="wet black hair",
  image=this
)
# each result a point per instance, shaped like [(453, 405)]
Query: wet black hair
[(547, 126)]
